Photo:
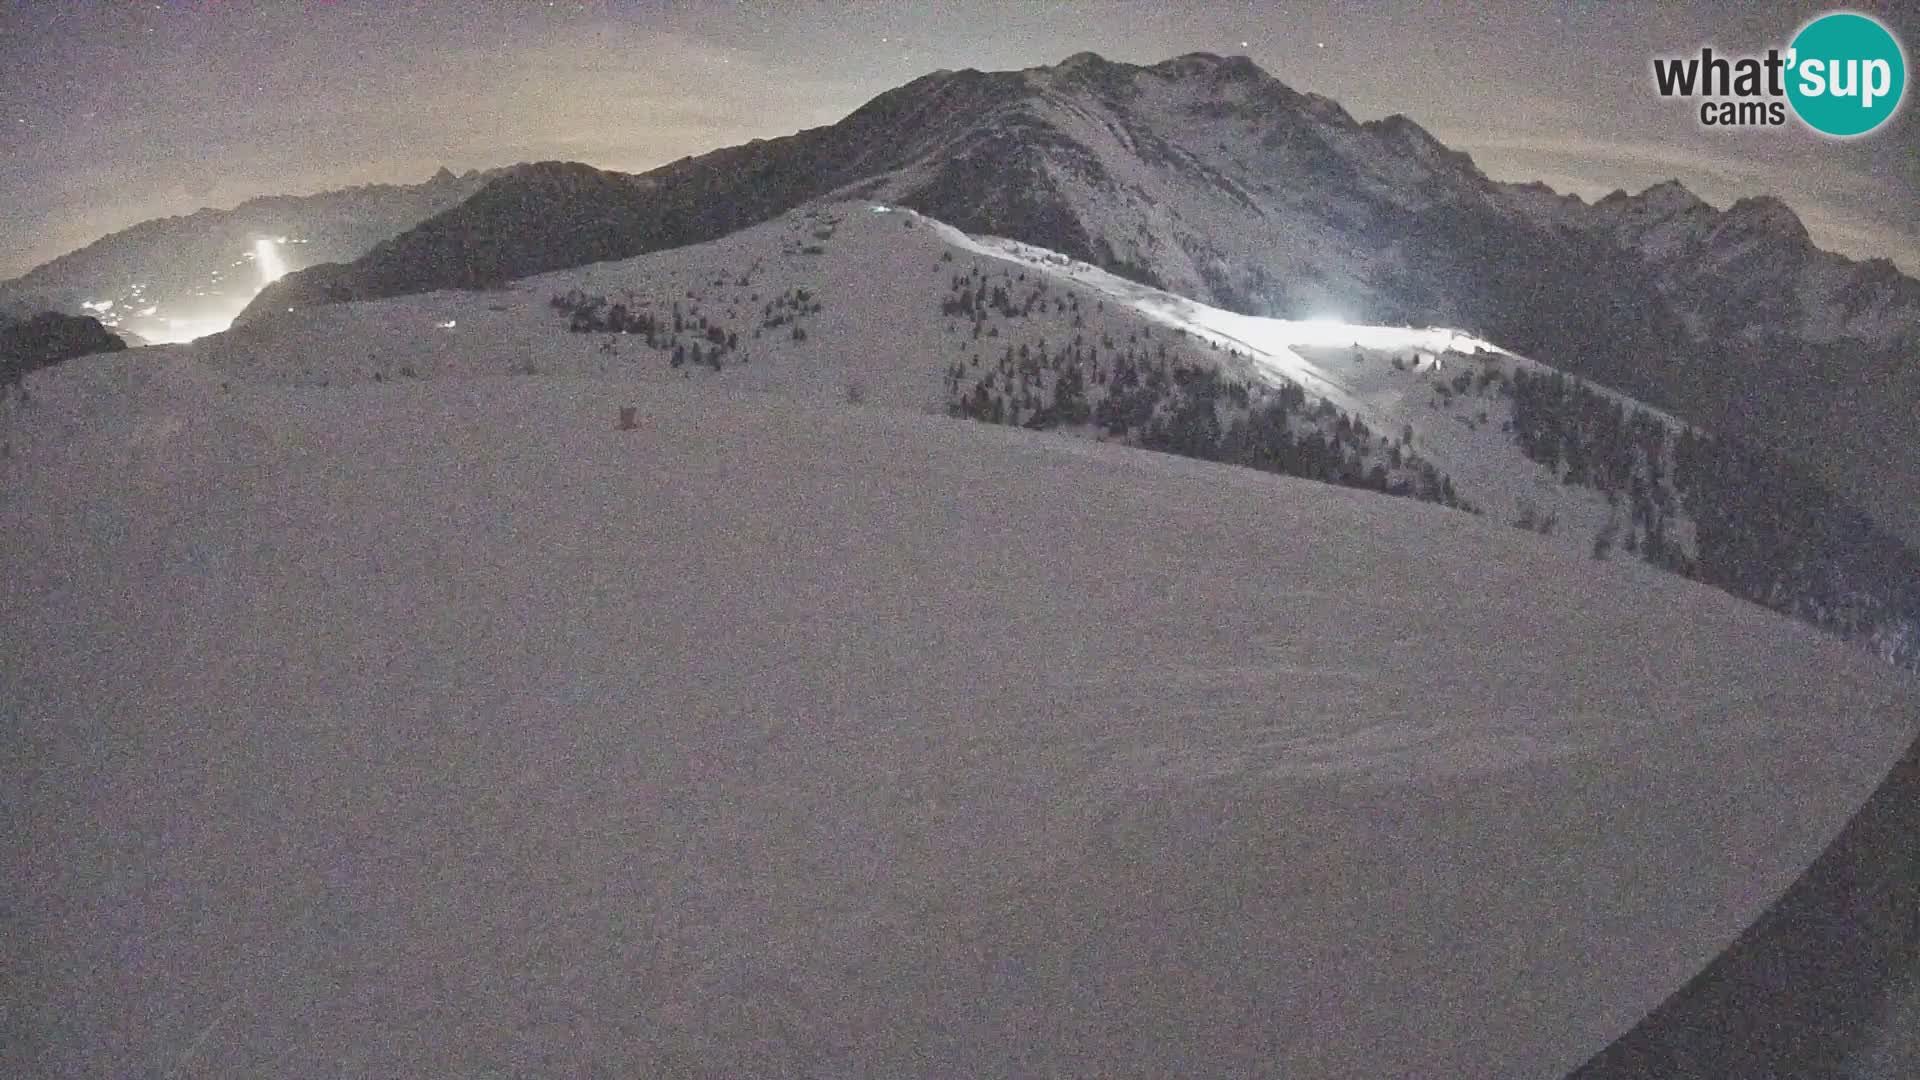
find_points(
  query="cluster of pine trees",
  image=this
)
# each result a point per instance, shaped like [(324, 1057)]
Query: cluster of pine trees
[(686, 338), (687, 335), (976, 297), (1764, 530), (1591, 440), (1281, 434), (1144, 394), (787, 310)]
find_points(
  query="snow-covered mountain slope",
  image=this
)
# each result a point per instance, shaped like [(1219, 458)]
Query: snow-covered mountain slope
[(879, 277), (1207, 176), (879, 302), (1405, 381), (445, 728)]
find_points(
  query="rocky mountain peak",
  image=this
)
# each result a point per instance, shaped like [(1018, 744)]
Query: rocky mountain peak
[(1672, 196), (1767, 216), (1206, 63), (1669, 198), (1205, 72), (1400, 132)]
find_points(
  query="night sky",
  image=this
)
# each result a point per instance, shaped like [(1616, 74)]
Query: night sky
[(111, 113)]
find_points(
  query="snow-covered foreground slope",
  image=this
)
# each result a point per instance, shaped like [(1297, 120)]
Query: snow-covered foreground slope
[(444, 729), (879, 277)]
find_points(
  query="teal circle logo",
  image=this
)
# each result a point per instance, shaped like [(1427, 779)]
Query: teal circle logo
[(1846, 74)]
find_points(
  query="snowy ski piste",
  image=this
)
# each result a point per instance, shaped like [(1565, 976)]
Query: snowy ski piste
[(1269, 343), (440, 728)]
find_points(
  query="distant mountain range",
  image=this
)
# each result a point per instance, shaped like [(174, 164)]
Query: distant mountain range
[(178, 277), (1208, 177)]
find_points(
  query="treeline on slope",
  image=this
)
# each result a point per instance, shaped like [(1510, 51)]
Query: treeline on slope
[(47, 338), (1140, 392), (1594, 309), (686, 335), (1590, 440), (1764, 530)]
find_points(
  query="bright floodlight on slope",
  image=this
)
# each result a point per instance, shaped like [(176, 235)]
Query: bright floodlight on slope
[(1325, 328), (266, 256)]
